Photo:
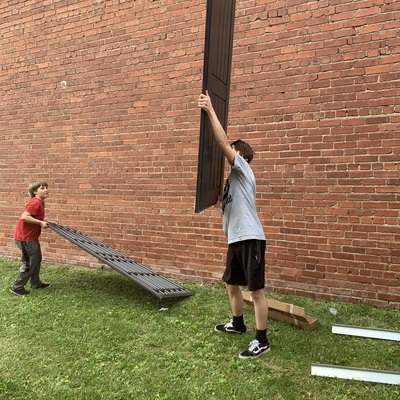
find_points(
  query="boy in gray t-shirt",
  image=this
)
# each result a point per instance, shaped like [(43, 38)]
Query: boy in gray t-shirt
[(245, 263), (240, 219)]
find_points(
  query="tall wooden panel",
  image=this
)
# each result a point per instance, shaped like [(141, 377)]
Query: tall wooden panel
[(216, 79)]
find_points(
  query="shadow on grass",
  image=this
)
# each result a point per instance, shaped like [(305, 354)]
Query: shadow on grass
[(106, 283)]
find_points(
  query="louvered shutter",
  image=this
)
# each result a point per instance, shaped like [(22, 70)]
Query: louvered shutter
[(216, 79)]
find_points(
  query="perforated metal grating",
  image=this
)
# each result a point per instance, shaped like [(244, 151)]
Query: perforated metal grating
[(145, 277)]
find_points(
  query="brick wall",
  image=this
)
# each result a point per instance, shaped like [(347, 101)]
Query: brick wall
[(99, 98)]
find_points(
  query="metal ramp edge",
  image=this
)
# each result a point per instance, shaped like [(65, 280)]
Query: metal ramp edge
[(143, 276)]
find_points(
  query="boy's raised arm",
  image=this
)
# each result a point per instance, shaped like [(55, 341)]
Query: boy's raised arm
[(204, 102)]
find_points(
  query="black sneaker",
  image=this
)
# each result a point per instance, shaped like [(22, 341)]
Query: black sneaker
[(19, 292), (229, 328), (255, 350), (43, 286)]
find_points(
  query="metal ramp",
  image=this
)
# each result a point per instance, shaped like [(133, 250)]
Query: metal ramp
[(145, 277)]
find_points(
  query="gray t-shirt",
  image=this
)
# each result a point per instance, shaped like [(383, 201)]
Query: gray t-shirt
[(240, 219)]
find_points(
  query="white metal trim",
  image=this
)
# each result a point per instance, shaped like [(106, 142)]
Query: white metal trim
[(368, 375), (366, 332)]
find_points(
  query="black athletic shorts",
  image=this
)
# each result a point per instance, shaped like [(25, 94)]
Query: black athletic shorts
[(245, 264)]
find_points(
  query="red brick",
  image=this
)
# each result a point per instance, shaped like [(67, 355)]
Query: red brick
[(314, 89)]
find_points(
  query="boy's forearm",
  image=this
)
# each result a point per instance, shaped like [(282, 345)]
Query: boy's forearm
[(217, 129), (30, 220)]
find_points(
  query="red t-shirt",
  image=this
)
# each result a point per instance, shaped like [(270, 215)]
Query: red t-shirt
[(26, 232)]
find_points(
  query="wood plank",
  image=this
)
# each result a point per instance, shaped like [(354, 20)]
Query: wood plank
[(277, 305), (281, 311)]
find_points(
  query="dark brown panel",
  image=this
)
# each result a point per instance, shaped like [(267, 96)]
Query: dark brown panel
[(216, 79)]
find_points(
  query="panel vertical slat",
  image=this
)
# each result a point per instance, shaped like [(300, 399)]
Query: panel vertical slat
[(216, 79)]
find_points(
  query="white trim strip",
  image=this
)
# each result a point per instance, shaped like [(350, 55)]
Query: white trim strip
[(366, 332), (368, 375)]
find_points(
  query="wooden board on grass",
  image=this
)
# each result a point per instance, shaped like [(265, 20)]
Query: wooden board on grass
[(277, 305), (285, 312), (304, 322)]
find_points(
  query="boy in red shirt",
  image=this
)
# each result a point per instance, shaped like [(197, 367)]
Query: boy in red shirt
[(26, 235)]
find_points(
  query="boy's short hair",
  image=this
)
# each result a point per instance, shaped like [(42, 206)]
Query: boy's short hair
[(244, 150), (34, 186)]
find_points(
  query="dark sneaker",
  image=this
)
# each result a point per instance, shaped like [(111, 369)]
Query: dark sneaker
[(19, 292), (255, 350), (43, 286), (229, 328)]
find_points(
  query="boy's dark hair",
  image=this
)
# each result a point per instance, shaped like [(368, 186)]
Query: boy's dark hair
[(34, 186), (244, 150)]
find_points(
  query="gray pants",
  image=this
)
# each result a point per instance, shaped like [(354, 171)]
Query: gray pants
[(31, 261)]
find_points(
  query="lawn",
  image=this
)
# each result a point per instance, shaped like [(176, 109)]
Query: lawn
[(96, 335)]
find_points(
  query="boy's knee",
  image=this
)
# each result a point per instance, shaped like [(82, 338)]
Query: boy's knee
[(257, 295)]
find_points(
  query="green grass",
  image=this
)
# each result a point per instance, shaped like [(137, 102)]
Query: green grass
[(97, 335)]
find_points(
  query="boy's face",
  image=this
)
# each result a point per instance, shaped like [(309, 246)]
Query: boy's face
[(42, 193)]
